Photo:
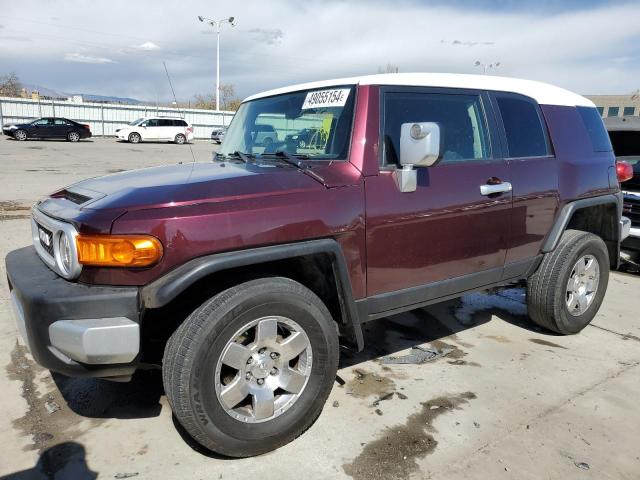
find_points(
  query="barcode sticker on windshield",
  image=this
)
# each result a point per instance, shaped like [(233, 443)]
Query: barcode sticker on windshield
[(326, 98)]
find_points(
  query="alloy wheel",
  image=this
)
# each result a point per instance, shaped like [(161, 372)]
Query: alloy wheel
[(263, 369), (582, 284)]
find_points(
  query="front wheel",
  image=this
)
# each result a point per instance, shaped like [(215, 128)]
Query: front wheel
[(567, 290), (20, 135), (134, 137), (251, 368)]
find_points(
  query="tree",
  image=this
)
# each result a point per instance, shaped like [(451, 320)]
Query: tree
[(390, 68), (10, 85), (228, 99)]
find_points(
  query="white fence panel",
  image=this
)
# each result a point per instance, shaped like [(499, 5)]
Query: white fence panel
[(105, 118)]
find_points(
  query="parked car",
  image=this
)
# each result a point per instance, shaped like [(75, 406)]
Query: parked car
[(157, 129), (264, 134), (624, 133), (241, 277), (217, 135), (48, 127), (307, 137)]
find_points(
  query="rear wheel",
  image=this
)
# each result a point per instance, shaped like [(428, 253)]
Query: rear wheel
[(134, 137), (567, 290), (20, 135), (73, 136), (251, 368), (180, 139)]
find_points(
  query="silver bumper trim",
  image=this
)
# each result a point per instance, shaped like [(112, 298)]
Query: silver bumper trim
[(634, 232), (97, 340), (18, 316), (625, 228)]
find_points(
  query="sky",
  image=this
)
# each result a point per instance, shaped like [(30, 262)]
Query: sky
[(117, 47)]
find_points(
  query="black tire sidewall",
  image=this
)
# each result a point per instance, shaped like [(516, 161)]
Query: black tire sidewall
[(573, 324), (209, 413), (184, 139)]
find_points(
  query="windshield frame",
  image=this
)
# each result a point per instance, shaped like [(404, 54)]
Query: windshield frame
[(304, 156)]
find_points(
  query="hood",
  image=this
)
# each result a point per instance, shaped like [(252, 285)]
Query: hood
[(185, 184), (16, 125)]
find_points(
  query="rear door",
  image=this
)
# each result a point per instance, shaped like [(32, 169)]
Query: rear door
[(167, 129), (447, 232), (60, 128), (534, 176)]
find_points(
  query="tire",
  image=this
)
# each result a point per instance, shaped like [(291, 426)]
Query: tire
[(302, 144), (20, 135), (134, 137), (549, 292), (267, 142), (180, 139), (73, 137), (202, 344)]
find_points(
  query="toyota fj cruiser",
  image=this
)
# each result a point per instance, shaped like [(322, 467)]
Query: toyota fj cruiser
[(241, 277)]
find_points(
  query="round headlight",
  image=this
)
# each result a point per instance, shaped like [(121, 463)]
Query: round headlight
[(66, 253)]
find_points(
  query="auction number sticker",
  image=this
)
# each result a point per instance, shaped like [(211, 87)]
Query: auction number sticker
[(326, 98)]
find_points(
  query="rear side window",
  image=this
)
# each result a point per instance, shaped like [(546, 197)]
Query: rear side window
[(180, 123), (595, 128), (165, 123), (523, 127), (460, 117)]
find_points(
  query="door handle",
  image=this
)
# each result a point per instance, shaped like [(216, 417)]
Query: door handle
[(501, 187)]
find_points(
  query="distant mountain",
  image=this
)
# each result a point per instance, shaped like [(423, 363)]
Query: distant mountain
[(87, 97)]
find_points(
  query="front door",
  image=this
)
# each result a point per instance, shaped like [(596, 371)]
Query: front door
[(150, 129), (449, 229)]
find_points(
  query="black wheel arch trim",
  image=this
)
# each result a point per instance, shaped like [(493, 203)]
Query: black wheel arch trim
[(164, 289), (563, 218)]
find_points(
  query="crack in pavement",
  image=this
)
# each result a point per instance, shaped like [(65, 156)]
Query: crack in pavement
[(624, 336)]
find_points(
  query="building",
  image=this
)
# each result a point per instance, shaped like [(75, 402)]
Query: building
[(617, 105)]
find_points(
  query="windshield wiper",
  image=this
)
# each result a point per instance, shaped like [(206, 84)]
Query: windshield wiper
[(296, 161), (235, 155)]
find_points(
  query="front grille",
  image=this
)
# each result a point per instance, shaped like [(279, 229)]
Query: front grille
[(631, 209), (46, 239)]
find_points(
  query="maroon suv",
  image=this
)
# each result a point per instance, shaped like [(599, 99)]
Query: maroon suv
[(240, 277)]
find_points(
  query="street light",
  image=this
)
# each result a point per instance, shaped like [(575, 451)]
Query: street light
[(217, 24), (486, 66)]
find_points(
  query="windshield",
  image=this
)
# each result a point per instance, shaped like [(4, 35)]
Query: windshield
[(136, 122), (314, 123)]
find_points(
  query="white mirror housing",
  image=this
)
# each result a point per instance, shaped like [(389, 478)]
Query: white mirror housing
[(419, 144)]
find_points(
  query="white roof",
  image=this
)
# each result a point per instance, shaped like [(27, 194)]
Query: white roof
[(543, 93)]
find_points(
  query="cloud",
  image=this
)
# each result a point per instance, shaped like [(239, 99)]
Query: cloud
[(282, 42), (466, 43), (79, 58), (147, 46), (270, 36)]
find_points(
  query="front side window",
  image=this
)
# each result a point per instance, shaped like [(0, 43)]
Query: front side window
[(151, 123), (523, 127), (463, 129), (273, 124), (41, 122)]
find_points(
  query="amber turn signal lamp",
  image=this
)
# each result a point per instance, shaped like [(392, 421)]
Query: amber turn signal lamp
[(118, 250)]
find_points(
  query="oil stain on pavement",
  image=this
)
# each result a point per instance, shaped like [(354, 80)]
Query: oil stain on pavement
[(47, 420), (394, 454)]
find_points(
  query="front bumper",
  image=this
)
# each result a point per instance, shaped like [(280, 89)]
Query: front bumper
[(72, 328)]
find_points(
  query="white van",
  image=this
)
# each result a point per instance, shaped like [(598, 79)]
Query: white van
[(157, 129)]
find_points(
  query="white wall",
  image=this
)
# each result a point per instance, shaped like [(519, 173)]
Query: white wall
[(105, 118)]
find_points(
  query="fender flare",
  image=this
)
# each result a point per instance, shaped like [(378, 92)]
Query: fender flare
[(562, 220), (164, 289)]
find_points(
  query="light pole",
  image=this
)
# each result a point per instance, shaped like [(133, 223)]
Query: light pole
[(486, 66), (216, 24)]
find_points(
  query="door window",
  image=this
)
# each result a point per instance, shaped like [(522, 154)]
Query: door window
[(166, 123), (41, 122), (463, 129), (523, 127), (60, 121), (150, 123)]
